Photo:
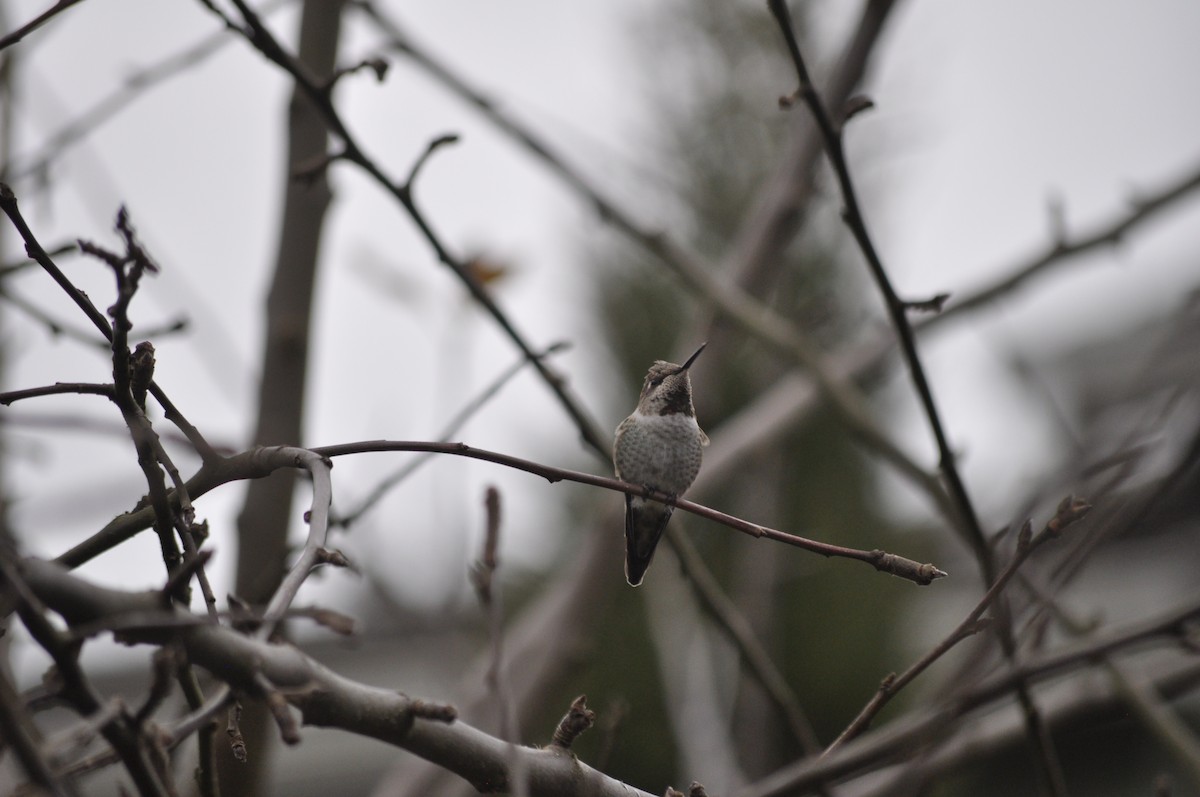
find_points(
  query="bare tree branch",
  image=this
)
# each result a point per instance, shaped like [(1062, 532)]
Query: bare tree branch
[(780, 205), (752, 316), (258, 462), (41, 19), (968, 526), (736, 626), (831, 136), (262, 39), (121, 732), (135, 86), (327, 699), (22, 736), (872, 751), (346, 519), (8, 204), (881, 560), (1098, 234), (1070, 511), (57, 389)]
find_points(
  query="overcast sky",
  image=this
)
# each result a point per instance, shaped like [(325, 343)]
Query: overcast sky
[(985, 111)]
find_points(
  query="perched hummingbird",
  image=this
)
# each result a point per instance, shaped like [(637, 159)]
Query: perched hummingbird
[(658, 446)]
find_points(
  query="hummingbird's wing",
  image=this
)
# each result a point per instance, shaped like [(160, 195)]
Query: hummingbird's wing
[(645, 522)]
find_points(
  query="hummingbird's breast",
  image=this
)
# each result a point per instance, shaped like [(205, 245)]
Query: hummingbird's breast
[(662, 451)]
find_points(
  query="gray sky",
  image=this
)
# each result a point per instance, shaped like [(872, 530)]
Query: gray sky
[(984, 111)]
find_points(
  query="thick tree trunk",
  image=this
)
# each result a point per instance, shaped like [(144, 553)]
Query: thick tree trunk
[(266, 516)]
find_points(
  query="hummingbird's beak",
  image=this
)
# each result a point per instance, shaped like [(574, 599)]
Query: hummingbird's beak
[(692, 359)]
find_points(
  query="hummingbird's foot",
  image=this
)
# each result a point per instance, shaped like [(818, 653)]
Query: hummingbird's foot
[(650, 488)]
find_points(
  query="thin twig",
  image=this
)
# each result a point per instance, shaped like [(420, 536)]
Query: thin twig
[(452, 427), (482, 578), (57, 389), (134, 86), (875, 750), (739, 631), (55, 327), (968, 525), (437, 143), (260, 37), (128, 270), (727, 297), (8, 204), (1070, 511), (1100, 234), (22, 736), (41, 19), (880, 560)]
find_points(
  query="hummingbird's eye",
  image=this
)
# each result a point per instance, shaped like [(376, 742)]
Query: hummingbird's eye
[(656, 381)]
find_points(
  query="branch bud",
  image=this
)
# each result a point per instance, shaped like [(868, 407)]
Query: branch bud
[(141, 372), (577, 720)]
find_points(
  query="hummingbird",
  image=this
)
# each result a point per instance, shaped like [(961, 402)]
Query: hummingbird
[(659, 446)]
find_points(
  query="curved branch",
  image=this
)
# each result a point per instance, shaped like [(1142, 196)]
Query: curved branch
[(318, 528), (251, 464), (324, 698)]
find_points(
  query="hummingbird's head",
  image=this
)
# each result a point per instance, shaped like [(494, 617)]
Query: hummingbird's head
[(668, 388)]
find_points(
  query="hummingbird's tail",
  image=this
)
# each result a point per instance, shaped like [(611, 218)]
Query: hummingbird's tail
[(645, 522)]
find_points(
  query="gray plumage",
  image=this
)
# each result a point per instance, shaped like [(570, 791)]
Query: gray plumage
[(660, 446)]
